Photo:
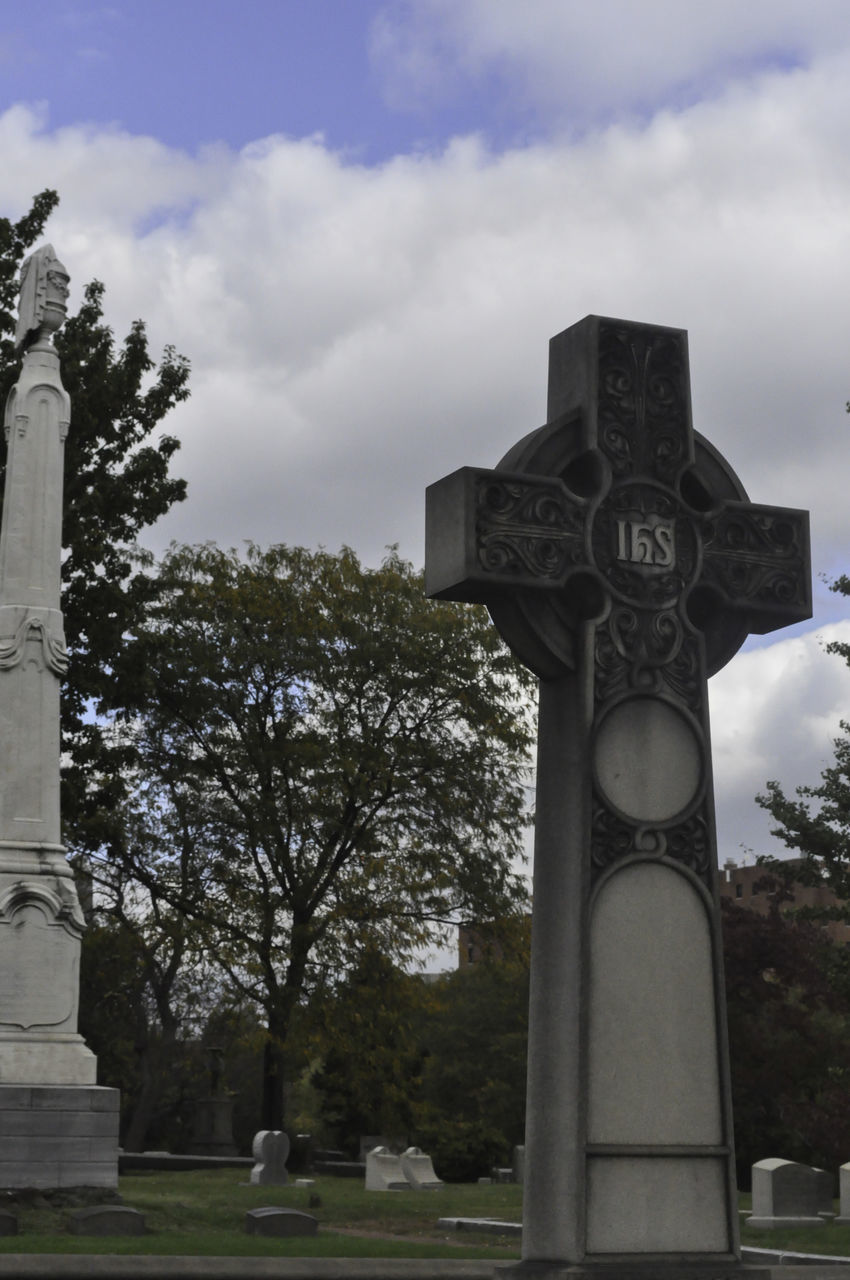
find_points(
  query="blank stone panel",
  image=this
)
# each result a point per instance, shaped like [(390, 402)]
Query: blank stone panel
[(653, 1053), (656, 1204)]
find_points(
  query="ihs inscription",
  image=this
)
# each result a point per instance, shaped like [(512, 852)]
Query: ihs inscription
[(646, 540)]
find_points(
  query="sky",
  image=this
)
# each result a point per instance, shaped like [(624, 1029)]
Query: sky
[(362, 221)]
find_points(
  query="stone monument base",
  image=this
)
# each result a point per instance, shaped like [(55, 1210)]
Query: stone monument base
[(212, 1128), (43, 1057), (54, 1136)]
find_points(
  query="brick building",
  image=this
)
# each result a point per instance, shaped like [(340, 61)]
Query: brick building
[(745, 886)]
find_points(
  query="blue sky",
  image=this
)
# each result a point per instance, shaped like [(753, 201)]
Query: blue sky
[(194, 72), (362, 221)]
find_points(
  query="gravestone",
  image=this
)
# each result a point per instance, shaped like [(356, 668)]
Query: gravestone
[(271, 1220), (825, 1184), (785, 1194), (59, 1129), (843, 1219), (622, 561), (270, 1149), (108, 1220), (384, 1171), (418, 1169)]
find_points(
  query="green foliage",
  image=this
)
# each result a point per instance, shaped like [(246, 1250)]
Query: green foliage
[(117, 483), (471, 1108), (140, 1013), (789, 1034), (815, 823), (367, 1038), (326, 760)]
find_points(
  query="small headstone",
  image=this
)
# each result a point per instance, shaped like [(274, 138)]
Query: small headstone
[(270, 1149), (8, 1223), (825, 1184), (419, 1171), (784, 1194), (518, 1164), (384, 1171), (107, 1220), (843, 1219), (485, 1182), (271, 1220)]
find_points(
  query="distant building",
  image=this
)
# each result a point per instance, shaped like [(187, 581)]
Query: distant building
[(746, 887)]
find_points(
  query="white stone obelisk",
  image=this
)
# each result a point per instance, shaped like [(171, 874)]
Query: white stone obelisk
[(45, 1065)]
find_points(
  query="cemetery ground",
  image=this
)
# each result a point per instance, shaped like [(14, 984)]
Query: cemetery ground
[(203, 1214)]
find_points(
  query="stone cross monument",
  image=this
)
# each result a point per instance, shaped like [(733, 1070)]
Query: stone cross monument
[(623, 563), (58, 1128)]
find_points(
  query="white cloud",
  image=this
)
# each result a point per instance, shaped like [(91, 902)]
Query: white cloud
[(775, 713), (578, 64), (357, 333)]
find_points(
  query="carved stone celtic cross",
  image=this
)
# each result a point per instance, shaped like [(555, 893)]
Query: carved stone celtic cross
[(622, 562)]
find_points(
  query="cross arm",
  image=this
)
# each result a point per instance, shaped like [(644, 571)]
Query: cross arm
[(756, 560), (488, 532)]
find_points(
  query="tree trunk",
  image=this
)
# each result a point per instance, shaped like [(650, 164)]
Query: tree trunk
[(148, 1096), (273, 1056)]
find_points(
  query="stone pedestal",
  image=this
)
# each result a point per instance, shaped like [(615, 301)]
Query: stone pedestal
[(58, 1136), (212, 1128)]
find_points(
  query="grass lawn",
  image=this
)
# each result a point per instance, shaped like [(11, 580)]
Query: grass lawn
[(202, 1213), (828, 1239)]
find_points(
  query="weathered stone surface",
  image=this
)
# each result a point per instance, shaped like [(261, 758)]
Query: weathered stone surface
[(41, 923), (843, 1218), (784, 1194), (418, 1169), (271, 1220), (825, 1184), (384, 1171), (212, 1127), (58, 1136), (270, 1150), (107, 1220), (623, 563)]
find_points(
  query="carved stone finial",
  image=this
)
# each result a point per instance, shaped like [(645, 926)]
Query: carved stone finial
[(44, 292)]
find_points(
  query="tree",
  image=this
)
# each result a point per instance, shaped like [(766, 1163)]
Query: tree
[(117, 483), (368, 1037), (815, 822), (789, 1034), (470, 1112), (344, 759)]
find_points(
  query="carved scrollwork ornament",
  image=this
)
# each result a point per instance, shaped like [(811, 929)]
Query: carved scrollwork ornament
[(53, 647), (523, 527), (611, 840), (690, 844)]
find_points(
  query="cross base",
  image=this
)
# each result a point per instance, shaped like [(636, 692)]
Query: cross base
[(666, 1269)]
